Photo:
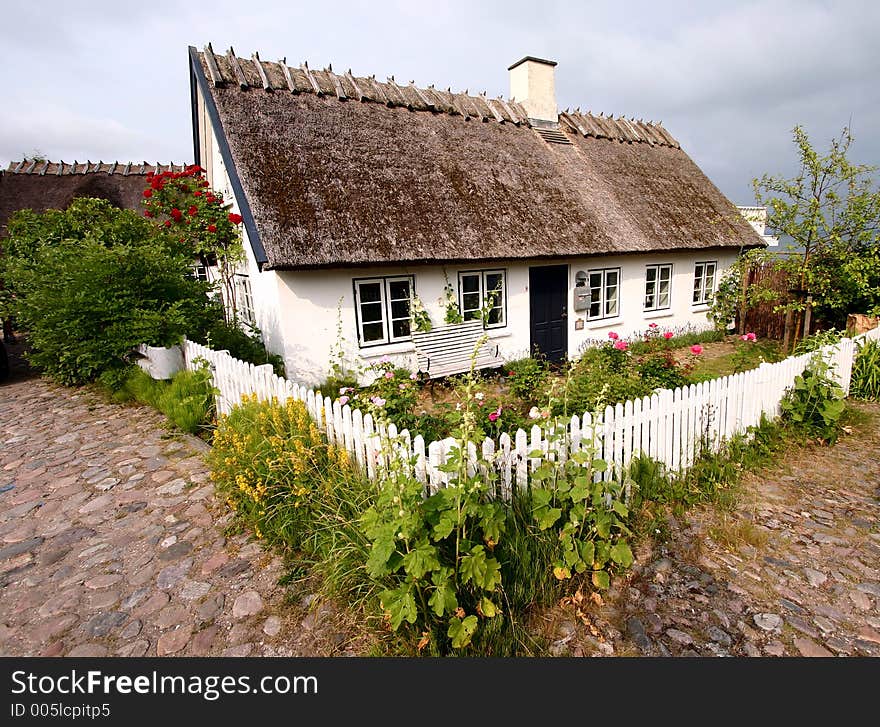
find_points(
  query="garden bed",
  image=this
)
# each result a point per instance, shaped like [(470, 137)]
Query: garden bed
[(526, 390)]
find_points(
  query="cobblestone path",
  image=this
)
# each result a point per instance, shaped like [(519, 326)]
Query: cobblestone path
[(794, 570), (112, 541)]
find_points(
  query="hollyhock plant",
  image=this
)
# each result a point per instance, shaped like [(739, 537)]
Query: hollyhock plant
[(668, 335), (613, 336), (620, 345)]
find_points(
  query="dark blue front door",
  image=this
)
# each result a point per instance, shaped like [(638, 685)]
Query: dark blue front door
[(548, 295)]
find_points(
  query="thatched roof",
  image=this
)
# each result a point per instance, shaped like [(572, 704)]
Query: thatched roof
[(40, 185), (343, 170)]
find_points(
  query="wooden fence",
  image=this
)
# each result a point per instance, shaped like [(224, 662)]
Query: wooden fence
[(671, 426)]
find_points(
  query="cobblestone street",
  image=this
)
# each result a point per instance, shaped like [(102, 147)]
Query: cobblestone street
[(112, 540)]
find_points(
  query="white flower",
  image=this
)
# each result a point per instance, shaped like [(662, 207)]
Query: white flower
[(344, 390), (479, 396), (534, 413), (458, 406)]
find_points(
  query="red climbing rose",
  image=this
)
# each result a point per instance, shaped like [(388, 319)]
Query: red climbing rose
[(234, 218)]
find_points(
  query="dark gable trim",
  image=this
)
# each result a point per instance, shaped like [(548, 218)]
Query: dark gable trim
[(248, 217)]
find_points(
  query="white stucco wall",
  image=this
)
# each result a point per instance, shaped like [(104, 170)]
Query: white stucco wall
[(308, 300), (264, 288)]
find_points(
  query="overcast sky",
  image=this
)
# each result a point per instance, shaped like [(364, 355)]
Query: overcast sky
[(108, 80)]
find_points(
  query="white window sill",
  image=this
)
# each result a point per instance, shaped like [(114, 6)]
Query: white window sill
[(600, 323), (498, 333), (699, 307), (384, 349), (664, 313)]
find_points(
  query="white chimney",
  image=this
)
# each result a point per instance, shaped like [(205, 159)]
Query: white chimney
[(532, 83)]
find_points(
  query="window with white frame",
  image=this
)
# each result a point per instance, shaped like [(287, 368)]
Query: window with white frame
[(200, 272), (383, 308), (244, 300), (704, 281), (604, 293), (483, 290), (658, 280)]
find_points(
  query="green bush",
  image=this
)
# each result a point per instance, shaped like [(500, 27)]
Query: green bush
[(92, 282), (526, 376), (865, 382), (816, 402)]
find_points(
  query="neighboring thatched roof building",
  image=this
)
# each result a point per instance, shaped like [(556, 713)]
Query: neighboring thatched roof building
[(333, 169), (41, 185)]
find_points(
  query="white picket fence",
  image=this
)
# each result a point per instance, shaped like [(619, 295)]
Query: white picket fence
[(670, 426)]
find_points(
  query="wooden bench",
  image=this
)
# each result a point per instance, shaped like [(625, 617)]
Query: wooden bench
[(448, 350)]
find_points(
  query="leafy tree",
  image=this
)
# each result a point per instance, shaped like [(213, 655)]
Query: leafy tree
[(831, 210), (91, 282)]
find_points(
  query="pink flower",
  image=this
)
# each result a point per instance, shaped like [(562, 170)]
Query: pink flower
[(696, 349), (751, 337), (668, 335), (620, 345), (389, 375), (378, 400), (343, 400), (385, 359), (613, 336), (344, 390), (652, 325), (493, 417), (402, 387), (413, 377)]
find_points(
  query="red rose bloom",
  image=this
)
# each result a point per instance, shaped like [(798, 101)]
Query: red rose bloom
[(176, 214), (198, 193), (212, 228), (234, 218), (148, 193), (147, 213), (167, 223), (205, 183), (192, 211)]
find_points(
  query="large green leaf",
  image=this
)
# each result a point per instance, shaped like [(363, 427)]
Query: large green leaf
[(383, 548), (443, 599), (601, 579), (461, 631), (421, 560), (483, 572), (621, 554), (400, 604)]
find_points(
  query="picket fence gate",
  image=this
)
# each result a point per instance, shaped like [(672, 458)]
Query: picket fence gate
[(671, 426)]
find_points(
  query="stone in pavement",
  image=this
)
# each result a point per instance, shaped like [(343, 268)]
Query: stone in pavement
[(247, 604), (808, 647), (173, 641)]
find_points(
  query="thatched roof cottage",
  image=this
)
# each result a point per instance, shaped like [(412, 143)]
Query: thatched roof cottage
[(358, 196)]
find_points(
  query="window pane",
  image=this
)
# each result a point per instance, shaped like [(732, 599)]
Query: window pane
[(651, 274), (663, 297), (470, 283), (495, 282), (470, 301), (649, 300), (400, 309), (371, 312), (611, 302), (400, 328), (496, 316), (596, 280), (665, 272), (698, 270), (373, 332), (595, 310), (611, 277), (398, 289), (370, 292)]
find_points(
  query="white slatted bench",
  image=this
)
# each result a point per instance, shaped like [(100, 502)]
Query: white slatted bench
[(448, 350)]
